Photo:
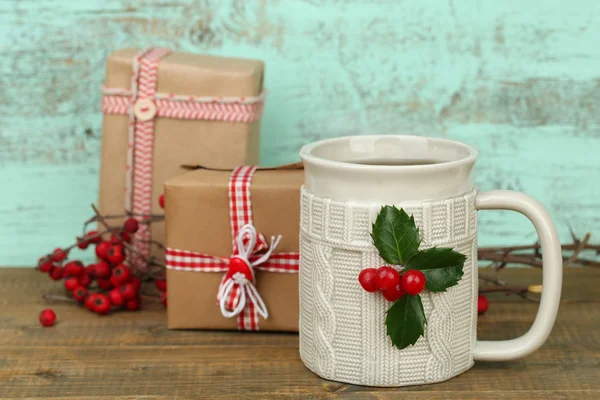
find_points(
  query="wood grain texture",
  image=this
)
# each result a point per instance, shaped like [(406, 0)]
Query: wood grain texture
[(518, 79), (133, 354)]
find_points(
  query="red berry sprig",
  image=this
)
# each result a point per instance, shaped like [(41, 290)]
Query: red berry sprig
[(396, 237), (482, 304), (109, 284)]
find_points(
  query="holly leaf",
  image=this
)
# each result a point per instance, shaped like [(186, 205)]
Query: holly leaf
[(442, 267), (395, 235), (405, 321)]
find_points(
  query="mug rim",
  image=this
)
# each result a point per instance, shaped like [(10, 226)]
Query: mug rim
[(306, 153)]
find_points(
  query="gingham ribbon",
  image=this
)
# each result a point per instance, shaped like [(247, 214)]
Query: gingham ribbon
[(246, 241), (143, 104)]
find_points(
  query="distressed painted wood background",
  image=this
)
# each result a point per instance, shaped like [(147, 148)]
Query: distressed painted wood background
[(520, 80)]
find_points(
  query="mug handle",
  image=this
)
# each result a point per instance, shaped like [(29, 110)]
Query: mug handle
[(504, 350)]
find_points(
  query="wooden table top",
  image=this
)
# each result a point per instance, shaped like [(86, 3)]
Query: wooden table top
[(134, 355)]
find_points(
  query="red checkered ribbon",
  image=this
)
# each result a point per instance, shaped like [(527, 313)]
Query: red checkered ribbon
[(143, 104), (237, 295)]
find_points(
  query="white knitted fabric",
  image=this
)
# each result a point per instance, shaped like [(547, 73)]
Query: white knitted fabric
[(342, 327)]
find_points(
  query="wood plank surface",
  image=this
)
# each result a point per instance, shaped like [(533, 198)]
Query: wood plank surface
[(517, 79), (134, 355)]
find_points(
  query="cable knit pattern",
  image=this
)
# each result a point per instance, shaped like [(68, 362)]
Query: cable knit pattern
[(342, 328)]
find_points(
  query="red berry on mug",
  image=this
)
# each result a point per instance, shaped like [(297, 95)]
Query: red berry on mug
[(101, 304), (482, 304), (161, 201), (413, 282), (102, 249), (102, 270), (56, 273), (47, 317), (161, 284), (387, 277), (121, 274), (116, 298), (368, 279), (116, 254), (394, 293), (131, 225), (80, 293), (71, 283)]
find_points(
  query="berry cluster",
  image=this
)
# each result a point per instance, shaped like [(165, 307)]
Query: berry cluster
[(392, 283), (109, 284)]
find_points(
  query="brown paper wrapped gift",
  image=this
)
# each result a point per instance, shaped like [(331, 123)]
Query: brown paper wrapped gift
[(198, 220), (181, 131)]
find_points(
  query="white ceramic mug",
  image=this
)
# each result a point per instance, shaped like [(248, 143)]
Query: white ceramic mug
[(342, 329)]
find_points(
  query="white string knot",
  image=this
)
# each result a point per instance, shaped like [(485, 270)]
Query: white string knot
[(239, 279)]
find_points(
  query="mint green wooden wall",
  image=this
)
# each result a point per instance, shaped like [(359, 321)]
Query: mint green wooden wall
[(520, 80)]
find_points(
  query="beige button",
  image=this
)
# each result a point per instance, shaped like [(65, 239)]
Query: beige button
[(144, 109)]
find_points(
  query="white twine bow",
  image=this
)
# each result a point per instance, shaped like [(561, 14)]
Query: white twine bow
[(247, 288)]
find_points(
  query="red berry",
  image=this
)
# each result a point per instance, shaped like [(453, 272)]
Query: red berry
[(121, 274), (73, 268), (368, 279), (482, 304), (91, 239), (46, 267), (136, 282), (101, 304), (102, 270), (47, 317), (413, 282), (128, 291), (89, 301), (116, 254), (131, 225), (80, 293), (59, 255), (114, 281), (82, 243), (125, 236), (85, 280), (104, 284), (163, 298), (387, 277), (89, 269), (161, 284), (102, 249), (116, 298), (71, 283), (133, 304), (161, 201), (56, 273), (393, 294)]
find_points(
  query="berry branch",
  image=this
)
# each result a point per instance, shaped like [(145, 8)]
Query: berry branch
[(111, 283)]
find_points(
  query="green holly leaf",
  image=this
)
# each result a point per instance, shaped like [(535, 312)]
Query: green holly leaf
[(395, 235), (405, 321), (442, 267)]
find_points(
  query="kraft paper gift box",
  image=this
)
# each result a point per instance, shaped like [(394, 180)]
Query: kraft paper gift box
[(200, 208), (163, 109)]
